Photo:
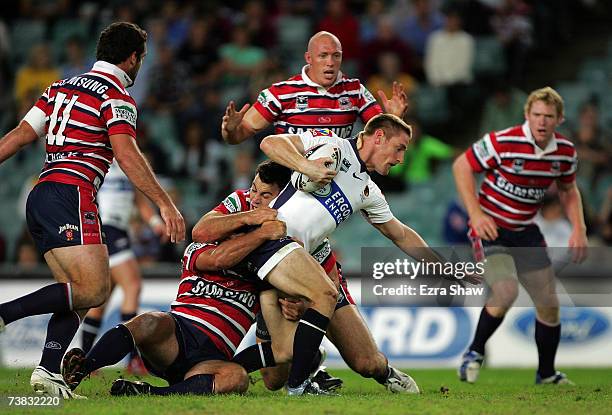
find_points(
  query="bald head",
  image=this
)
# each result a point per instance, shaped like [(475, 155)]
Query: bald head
[(323, 57), (323, 36)]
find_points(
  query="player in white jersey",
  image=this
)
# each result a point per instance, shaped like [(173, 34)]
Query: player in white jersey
[(312, 217), (116, 199)]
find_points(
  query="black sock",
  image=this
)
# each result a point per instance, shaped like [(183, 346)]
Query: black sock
[(91, 327), (195, 385), (487, 324), (125, 317), (308, 337), (60, 332), (113, 346), (54, 298), (255, 357), (547, 339), (316, 361)]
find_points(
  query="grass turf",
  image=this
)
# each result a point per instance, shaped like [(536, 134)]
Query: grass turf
[(497, 391)]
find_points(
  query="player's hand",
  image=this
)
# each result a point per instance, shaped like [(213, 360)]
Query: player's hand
[(274, 229), (398, 104), (232, 118), (292, 308), (578, 244), (260, 215), (175, 224), (485, 226), (319, 172)]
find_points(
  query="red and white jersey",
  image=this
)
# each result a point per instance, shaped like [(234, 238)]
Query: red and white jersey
[(299, 104), (78, 115), (238, 201), (518, 173), (222, 304)]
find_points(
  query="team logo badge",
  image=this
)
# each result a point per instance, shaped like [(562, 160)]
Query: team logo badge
[(301, 103), (366, 191), (320, 132), (555, 167), (518, 164), (89, 218), (324, 191), (344, 103), (345, 165), (69, 235)]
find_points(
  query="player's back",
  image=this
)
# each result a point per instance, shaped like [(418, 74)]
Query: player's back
[(80, 114)]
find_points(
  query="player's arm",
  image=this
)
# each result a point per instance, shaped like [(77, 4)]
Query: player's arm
[(483, 224), (135, 166), (237, 126), (572, 204), (230, 252), (216, 226), (288, 150), (408, 240), (15, 139)]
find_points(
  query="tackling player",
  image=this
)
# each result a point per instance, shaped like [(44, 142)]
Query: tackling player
[(86, 121), (520, 163), (191, 345)]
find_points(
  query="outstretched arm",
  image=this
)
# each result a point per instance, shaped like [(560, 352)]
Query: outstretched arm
[(406, 239), (237, 126)]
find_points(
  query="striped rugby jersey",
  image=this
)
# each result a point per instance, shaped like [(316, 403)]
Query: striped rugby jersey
[(299, 104), (518, 173), (222, 305), (77, 116)]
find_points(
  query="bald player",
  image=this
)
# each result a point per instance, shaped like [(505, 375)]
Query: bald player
[(321, 96)]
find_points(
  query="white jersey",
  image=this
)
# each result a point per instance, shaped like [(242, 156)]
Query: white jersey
[(312, 217), (116, 198)]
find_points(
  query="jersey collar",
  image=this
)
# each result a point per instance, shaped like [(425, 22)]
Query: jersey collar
[(117, 72), (312, 83), (551, 147), (353, 142)]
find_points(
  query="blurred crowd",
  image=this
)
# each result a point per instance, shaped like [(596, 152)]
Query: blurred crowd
[(202, 54)]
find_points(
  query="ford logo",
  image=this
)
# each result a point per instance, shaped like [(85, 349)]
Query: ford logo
[(578, 325), (325, 120)]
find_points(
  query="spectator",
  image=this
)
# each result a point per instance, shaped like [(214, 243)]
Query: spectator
[(200, 54), (169, 82), (76, 61), (36, 75), (241, 59), (503, 108), (339, 21), (389, 71), (368, 23), (449, 54), (593, 144), (386, 40), (423, 22), (423, 151)]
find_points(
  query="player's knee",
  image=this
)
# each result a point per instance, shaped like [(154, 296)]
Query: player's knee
[(283, 352), (505, 294), (548, 315), (92, 296), (143, 326), (231, 379)]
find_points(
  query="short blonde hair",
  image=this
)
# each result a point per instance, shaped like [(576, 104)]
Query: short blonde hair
[(389, 123), (547, 95)]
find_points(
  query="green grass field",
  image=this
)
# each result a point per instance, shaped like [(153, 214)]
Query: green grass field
[(506, 391)]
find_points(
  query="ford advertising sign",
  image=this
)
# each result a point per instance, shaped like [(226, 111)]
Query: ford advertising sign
[(578, 325)]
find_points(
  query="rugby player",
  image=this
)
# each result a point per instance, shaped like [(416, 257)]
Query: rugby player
[(520, 163), (312, 217), (86, 121), (116, 200), (191, 345), (347, 330), (320, 97)]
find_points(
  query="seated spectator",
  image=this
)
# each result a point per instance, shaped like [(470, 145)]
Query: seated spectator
[(386, 40), (593, 144), (168, 82), (389, 71), (200, 55), (503, 108), (241, 59), (37, 74), (449, 54), (339, 20), (423, 151), (76, 60), (368, 22)]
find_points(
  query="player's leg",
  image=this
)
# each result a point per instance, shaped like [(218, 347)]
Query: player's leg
[(501, 275), (91, 327), (153, 333), (540, 284)]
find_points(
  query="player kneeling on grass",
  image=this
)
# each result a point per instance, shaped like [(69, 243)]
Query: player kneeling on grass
[(190, 346)]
